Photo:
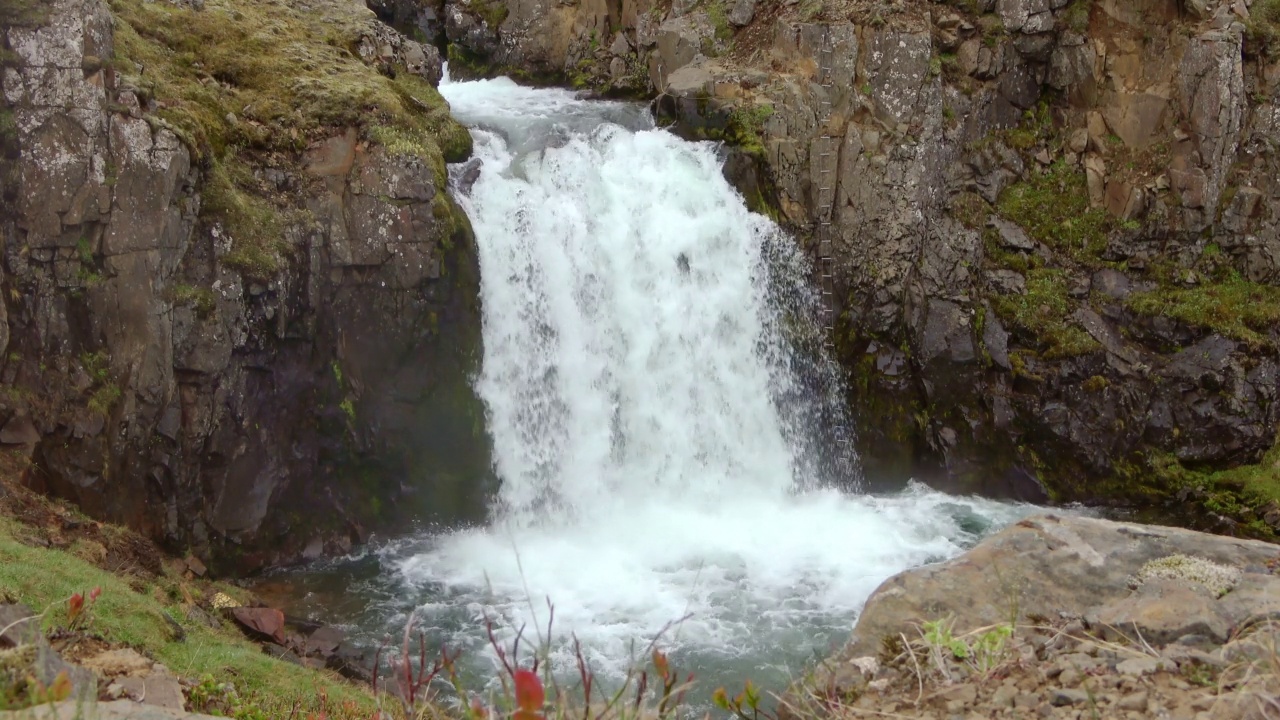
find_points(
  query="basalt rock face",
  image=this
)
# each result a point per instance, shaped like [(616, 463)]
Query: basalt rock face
[(1052, 224), (1019, 204), (252, 417)]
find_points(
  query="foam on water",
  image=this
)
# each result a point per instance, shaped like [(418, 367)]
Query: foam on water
[(657, 408)]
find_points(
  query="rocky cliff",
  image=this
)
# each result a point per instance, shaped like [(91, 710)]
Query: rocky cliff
[(239, 309), (1051, 225)]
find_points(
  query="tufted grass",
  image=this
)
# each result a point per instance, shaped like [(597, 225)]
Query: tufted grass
[(252, 82), (1053, 207), (1235, 307), (1045, 311), (23, 13), (1262, 30)]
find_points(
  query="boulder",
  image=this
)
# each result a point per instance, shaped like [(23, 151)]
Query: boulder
[(1055, 565)]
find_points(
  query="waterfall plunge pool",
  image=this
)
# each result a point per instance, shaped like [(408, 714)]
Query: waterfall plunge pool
[(661, 413)]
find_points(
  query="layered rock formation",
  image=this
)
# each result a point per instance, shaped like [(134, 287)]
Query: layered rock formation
[(240, 327), (1051, 223)]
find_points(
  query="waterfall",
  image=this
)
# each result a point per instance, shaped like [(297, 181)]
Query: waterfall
[(657, 404)]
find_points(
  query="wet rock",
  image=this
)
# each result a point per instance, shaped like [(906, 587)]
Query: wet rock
[(325, 641), (19, 430), (263, 622), (351, 662)]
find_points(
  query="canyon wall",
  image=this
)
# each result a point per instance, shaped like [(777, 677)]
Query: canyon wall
[(246, 331), (1052, 224)]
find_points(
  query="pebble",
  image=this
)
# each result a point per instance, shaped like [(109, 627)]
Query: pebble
[(1136, 701), (1004, 696), (1138, 666), (1068, 696)]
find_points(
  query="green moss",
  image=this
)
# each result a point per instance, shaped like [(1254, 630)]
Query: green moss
[(467, 65), (1262, 29), (254, 224), (43, 578), (970, 209), (719, 18), (1235, 307), (1076, 16), (8, 126), (1053, 207), (23, 13), (1045, 312), (492, 12), (202, 299), (247, 77), (745, 126), (1242, 493)]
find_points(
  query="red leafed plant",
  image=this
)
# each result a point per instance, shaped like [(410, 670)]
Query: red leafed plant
[(531, 691), (78, 612), (529, 696)]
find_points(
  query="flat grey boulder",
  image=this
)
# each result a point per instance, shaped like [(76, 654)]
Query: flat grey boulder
[(1120, 578)]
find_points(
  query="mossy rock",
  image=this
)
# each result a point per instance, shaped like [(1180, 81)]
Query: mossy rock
[(244, 80)]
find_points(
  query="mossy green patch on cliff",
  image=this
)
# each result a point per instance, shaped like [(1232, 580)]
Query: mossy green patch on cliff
[(1262, 29), (1053, 207), (492, 12), (1045, 311), (145, 618), (1235, 307), (244, 79), (970, 209), (1245, 493), (23, 13)]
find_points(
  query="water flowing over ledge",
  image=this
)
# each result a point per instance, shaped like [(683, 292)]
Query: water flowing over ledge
[(657, 399)]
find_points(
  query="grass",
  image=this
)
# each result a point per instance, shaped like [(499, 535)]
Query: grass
[(745, 126), (202, 299), (23, 13), (1053, 208), (146, 611), (1260, 481), (1076, 16), (1045, 311), (247, 80), (136, 617), (1263, 27), (1241, 493), (1234, 307), (970, 209), (719, 18)]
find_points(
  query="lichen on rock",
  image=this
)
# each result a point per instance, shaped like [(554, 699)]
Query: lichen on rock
[(1219, 579)]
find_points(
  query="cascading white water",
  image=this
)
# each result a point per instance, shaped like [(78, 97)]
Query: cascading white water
[(654, 425), (660, 413)]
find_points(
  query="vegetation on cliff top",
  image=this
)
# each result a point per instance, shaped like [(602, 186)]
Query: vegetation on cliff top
[(252, 82)]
